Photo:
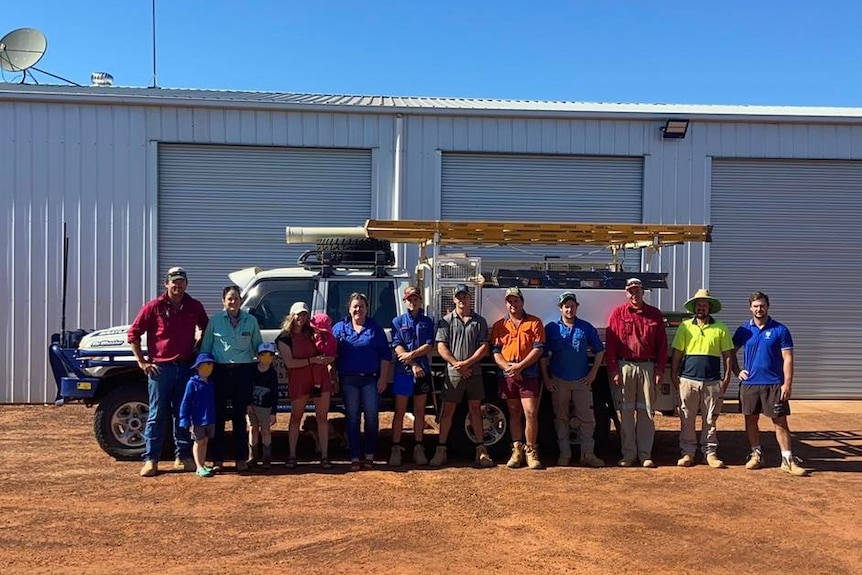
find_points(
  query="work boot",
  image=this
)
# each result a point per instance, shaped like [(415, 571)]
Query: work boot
[(419, 457), (395, 458), (713, 461), (482, 457), (184, 464), (649, 463), (518, 458), (685, 461), (589, 459), (793, 466), (241, 465), (267, 456), (564, 461), (532, 453), (755, 459), (439, 458), (150, 468), (252, 456), (627, 463)]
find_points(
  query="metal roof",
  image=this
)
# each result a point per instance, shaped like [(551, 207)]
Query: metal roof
[(417, 105)]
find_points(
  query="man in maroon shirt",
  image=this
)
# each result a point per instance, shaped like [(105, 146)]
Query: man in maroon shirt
[(169, 322), (636, 355)]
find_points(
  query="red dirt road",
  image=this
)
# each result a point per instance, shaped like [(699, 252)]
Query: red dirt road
[(66, 507)]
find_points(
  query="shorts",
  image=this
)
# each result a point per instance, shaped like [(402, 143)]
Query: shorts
[(511, 389), (456, 387), (302, 384), (755, 399), (407, 384), (260, 417), (200, 432)]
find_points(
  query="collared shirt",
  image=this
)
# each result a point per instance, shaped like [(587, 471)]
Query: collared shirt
[(170, 331), (463, 336), (636, 335), (411, 333), (762, 349), (567, 347), (198, 405), (702, 347), (514, 343), (362, 351), (229, 343)]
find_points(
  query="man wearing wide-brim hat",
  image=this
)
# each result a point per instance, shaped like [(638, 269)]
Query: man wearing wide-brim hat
[(700, 368)]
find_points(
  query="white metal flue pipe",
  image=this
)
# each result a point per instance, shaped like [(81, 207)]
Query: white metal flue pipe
[(305, 235)]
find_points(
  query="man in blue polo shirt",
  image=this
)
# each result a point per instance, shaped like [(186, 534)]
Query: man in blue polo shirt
[(569, 377), (766, 381)]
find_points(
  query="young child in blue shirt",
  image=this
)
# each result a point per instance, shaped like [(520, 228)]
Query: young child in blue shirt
[(198, 411)]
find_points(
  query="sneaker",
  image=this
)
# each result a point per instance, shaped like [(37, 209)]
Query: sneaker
[(532, 453), (150, 468), (649, 463), (395, 458), (419, 457), (626, 463), (184, 464), (713, 461), (564, 461), (518, 458), (685, 461), (482, 457), (242, 465), (439, 458), (589, 459), (217, 465), (267, 463), (793, 466), (755, 460), (205, 472)]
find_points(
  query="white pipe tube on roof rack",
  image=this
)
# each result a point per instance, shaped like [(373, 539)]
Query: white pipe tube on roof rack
[(310, 234)]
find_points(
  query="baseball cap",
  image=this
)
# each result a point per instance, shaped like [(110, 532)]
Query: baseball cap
[(298, 308), (461, 288), (515, 291), (203, 358), (634, 282), (177, 273), (566, 296), (266, 348), (411, 291)]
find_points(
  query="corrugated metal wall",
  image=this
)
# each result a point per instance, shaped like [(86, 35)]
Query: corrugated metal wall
[(95, 166)]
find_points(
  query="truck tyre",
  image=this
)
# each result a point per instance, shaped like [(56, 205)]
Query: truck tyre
[(356, 250), (496, 422), (119, 422)]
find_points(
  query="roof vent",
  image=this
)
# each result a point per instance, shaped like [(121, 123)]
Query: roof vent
[(101, 79)]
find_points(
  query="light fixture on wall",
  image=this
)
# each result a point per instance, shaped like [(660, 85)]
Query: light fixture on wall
[(674, 129)]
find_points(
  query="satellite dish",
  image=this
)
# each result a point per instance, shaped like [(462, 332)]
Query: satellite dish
[(21, 49)]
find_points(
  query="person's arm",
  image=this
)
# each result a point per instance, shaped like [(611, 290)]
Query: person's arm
[(187, 406), (398, 343), (544, 364), (497, 347), (727, 358), (787, 385), (612, 345), (203, 319), (660, 350), (598, 350), (208, 338), (674, 366), (286, 354), (738, 341), (385, 354), (136, 330)]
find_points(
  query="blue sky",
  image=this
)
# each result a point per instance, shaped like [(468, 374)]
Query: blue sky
[(666, 51)]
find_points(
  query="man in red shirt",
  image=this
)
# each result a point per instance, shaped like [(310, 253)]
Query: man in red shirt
[(169, 322), (636, 356)]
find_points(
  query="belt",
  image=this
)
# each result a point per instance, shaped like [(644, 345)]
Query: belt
[(182, 362), (361, 374), (633, 360)]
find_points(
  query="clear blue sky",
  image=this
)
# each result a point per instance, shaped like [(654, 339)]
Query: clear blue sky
[(772, 52)]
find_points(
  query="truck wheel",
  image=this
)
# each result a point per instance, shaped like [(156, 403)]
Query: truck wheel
[(495, 420), (119, 422), (357, 250)]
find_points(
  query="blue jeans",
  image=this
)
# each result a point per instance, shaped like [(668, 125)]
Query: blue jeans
[(361, 393), (166, 391)]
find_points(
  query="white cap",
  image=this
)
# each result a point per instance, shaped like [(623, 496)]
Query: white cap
[(298, 307)]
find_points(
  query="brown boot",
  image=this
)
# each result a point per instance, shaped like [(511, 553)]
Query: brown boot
[(395, 457), (439, 458), (419, 457), (150, 468), (532, 452), (482, 457), (517, 459)]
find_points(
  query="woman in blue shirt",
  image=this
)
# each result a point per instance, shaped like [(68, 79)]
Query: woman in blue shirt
[(363, 365), (232, 337)]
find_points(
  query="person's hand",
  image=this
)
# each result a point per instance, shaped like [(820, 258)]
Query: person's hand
[(675, 380), (589, 379), (743, 375), (617, 380), (149, 368), (725, 383), (272, 419), (551, 384), (785, 392), (249, 410), (658, 378), (381, 384), (322, 359), (418, 371)]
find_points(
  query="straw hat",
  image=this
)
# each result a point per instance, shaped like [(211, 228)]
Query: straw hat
[(714, 304)]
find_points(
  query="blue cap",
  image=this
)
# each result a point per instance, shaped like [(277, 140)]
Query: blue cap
[(203, 358), (266, 347)]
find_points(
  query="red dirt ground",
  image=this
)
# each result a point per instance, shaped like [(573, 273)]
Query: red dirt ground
[(66, 507)]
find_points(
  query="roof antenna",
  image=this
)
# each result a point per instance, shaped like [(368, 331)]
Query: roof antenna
[(155, 74)]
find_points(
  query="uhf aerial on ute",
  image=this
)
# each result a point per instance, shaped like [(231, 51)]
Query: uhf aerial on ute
[(101, 370)]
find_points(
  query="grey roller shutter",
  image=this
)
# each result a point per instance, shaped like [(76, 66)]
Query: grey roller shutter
[(223, 208), (791, 230), (542, 188)]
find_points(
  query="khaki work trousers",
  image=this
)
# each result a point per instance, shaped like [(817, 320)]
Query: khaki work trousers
[(581, 397), (635, 396), (694, 395)]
